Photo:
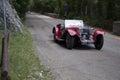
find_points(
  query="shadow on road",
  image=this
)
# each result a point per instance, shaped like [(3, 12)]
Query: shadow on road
[(78, 47)]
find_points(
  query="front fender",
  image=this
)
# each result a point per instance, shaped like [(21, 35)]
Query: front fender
[(98, 32), (72, 32), (57, 32)]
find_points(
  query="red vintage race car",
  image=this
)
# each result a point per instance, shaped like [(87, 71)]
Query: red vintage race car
[(74, 32)]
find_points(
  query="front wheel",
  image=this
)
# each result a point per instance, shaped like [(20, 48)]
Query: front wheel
[(99, 42), (69, 41)]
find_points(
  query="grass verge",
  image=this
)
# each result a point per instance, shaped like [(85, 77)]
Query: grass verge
[(24, 63)]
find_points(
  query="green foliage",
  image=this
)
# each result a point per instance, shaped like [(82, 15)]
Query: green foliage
[(21, 6), (106, 10), (42, 5)]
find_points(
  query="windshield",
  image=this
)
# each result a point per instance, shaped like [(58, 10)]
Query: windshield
[(74, 23)]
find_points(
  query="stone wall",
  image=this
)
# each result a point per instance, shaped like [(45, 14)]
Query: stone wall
[(13, 20)]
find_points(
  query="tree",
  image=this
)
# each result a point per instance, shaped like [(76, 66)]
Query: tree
[(21, 6), (110, 9)]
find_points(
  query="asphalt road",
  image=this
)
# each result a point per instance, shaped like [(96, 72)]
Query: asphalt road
[(80, 63)]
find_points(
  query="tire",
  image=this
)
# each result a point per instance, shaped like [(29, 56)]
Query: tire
[(99, 42), (54, 36), (69, 41)]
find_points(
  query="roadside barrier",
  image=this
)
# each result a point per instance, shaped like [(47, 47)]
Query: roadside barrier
[(5, 58), (116, 28)]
